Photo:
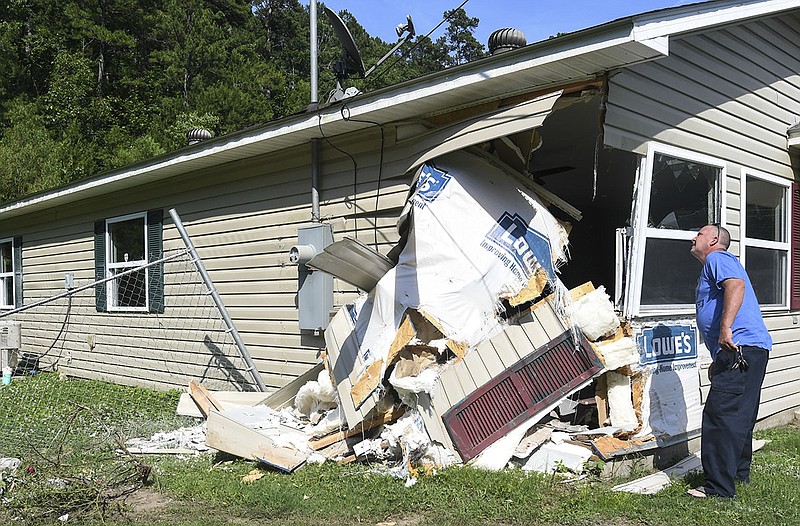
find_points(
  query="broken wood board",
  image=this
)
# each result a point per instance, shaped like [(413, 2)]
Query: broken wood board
[(233, 432), (229, 399), (655, 482), (203, 398), (384, 418), (608, 447)]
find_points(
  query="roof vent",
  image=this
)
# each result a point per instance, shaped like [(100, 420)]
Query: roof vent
[(506, 39), (196, 135)]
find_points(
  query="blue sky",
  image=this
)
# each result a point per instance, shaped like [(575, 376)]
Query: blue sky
[(538, 19)]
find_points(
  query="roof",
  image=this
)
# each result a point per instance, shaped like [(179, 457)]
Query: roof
[(549, 63)]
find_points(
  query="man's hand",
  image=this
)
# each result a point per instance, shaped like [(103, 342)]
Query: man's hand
[(732, 302)]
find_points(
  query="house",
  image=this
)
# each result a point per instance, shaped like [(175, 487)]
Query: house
[(641, 130)]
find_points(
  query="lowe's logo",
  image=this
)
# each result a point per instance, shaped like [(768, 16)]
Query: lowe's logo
[(512, 238), (431, 183), (668, 343)]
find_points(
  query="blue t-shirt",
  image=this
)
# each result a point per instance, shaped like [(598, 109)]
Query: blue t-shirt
[(748, 326)]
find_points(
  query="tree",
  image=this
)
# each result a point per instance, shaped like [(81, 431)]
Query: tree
[(461, 42)]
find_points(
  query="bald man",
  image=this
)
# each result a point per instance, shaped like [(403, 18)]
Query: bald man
[(730, 322)]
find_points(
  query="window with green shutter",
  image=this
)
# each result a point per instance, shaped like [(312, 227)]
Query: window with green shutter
[(123, 245)]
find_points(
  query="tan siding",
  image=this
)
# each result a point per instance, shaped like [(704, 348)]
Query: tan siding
[(731, 93), (243, 219)]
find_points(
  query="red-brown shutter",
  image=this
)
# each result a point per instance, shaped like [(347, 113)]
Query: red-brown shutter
[(795, 247), (543, 377)]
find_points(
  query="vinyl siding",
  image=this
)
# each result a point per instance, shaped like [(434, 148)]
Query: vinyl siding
[(731, 93), (243, 220)]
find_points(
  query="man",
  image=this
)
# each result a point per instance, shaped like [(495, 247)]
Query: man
[(730, 322)]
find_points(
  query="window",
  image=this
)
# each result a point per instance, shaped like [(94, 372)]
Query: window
[(10, 273), (122, 245), (765, 239), (679, 192)]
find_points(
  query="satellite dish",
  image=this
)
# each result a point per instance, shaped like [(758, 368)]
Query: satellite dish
[(350, 62)]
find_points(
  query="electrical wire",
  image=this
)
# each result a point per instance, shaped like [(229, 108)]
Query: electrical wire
[(355, 173), (345, 112)]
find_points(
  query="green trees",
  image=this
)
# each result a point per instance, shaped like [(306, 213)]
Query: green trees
[(93, 85)]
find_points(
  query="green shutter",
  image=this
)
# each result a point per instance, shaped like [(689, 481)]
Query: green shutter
[(155, 285), (100, 265), (17, 249)]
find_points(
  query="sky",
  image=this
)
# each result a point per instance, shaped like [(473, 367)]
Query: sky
[(538, 19)]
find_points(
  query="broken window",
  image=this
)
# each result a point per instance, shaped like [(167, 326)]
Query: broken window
[(680, 193), (766, 241)]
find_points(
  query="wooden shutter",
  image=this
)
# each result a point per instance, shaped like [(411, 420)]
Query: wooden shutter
[(540, 379), (795, 247), (155, 284), (100, 265), (16, 247)]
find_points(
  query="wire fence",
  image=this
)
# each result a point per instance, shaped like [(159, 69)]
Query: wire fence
[(104, 374)]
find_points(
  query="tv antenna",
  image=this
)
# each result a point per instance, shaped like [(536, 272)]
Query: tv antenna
[(350, 62)]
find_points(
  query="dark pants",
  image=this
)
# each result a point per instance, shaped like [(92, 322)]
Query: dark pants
[(728, 420)]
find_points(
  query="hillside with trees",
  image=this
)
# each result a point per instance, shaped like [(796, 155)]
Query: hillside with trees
[(94, 85)]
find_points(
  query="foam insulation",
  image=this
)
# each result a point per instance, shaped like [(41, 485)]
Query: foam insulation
[(620, 401), (594, 314), (316, 395), (619, 353)]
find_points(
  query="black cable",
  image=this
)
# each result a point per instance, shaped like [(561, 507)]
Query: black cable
[(355, 173), (345, 112)]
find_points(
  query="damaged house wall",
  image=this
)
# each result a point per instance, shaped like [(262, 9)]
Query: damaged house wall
[(729, 93)]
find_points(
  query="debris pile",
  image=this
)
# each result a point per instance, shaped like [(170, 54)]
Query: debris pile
[(468, 350)]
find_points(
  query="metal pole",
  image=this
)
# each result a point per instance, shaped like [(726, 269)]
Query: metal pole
[(90, 285), (314, 72), (217, 300)]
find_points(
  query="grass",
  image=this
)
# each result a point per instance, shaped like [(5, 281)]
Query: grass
[(208, 490)]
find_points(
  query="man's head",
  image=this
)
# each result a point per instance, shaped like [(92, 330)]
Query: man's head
[(709, 239)]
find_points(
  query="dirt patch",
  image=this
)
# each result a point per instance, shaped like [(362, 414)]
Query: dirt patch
[(145, 500)]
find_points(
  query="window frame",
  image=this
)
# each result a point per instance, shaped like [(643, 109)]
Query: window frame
[(9, 275), (642, 232), (110, 267), (784, 246)]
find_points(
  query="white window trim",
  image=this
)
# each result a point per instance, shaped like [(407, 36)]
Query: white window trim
[(9, 275), (111, 287), (745, 241), (642, 232)]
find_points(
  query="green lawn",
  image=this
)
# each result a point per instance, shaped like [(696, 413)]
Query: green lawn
[(207, 490)]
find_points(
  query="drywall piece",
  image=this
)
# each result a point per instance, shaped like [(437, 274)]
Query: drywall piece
[(655, 482), (250, 433), (533, 441), (619, 353), (552, 457), (620, 401), (228, 399), (594, 314)]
